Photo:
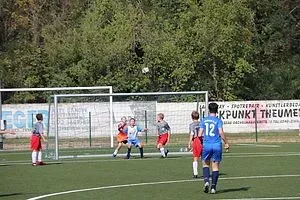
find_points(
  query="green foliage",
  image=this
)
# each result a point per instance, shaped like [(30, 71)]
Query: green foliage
[(236, 49)]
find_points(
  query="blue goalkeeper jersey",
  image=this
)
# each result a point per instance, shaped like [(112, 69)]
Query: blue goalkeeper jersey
[(132, 132), (210, 126)]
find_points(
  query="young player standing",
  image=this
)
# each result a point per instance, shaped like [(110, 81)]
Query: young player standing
[(35, 141), (122, 135), (211, 128), (163, 132), (132, 132), (195, 141)]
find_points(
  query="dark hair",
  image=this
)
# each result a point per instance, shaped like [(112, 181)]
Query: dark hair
[(213, 107), (132, 119), (195, 115), (39, 116)]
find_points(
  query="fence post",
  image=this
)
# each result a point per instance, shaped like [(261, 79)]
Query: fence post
[(146, 126), (255, 121), (90, 129), (32, 121), (197, 99)]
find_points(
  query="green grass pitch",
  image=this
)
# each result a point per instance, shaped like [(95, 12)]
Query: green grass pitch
[(248, 172)]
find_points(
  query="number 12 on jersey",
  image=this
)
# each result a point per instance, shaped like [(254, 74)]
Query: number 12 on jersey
[(210, 129)]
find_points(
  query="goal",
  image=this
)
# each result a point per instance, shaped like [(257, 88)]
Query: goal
[(84, 125)]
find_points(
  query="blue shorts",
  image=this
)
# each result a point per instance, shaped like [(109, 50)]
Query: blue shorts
[(212, 152), (134, 142)]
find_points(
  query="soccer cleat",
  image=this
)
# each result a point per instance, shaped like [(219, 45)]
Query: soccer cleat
[(166, 153), (213, 191), (114, 155), (195, 176), (206, 187), (33, 164)]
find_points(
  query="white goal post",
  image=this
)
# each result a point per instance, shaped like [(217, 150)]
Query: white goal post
[(58, 97)]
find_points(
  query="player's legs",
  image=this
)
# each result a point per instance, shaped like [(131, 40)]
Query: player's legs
[(161, 149), (206, 157), (141, 149), (195, 167), (33, 157), (206, 174), (197, 151), (161, 141), (216, 158), (120, 144), (129, 145), (36, 147)]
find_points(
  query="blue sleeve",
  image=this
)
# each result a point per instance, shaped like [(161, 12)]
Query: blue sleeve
[(139, 129), (220, 124), (202, 124)]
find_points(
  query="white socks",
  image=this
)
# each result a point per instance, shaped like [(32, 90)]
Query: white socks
[(40, 156), (195, 168), (162, 151), (33, 156), (116, 152)]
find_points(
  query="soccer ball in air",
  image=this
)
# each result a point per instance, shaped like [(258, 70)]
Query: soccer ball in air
[(145, 70)]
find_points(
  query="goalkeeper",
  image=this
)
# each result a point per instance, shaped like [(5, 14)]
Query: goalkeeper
[(132, 131)]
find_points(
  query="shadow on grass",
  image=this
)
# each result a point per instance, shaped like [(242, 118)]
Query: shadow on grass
[(4, 165), (233, 190), (11, 194), (49, 163)]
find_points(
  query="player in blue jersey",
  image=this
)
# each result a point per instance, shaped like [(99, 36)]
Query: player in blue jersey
[(211, 128), (132, 133)]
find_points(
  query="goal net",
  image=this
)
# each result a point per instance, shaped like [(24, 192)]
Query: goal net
[(85, 125)]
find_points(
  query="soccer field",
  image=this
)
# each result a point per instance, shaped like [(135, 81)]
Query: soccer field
[(249, 171)]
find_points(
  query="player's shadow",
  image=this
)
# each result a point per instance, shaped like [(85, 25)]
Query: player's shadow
[(10, 194), (233, 190), (53, 163), (4, 165)]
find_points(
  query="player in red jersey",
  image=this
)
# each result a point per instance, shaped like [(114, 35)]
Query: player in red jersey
[(122, 135), (163, 132), (35, 141), (195, 141)]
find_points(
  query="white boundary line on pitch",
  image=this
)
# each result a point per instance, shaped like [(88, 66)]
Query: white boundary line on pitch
[(229, 155), (155, 183), (265, 198), (258, 145)]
